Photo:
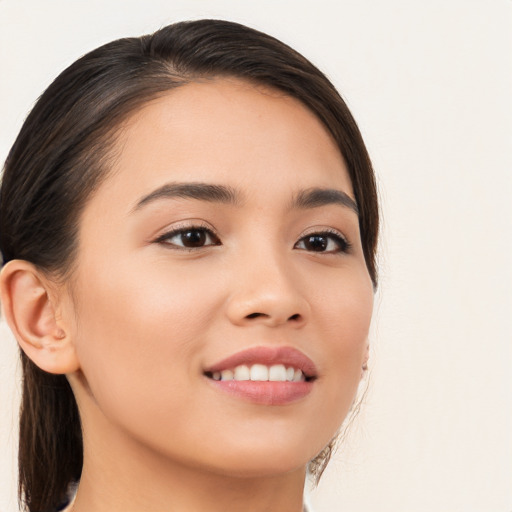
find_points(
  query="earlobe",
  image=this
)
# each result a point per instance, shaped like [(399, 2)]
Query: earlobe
[(29, 305)]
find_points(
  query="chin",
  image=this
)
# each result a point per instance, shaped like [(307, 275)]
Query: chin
[(280, 464), (264, 459)]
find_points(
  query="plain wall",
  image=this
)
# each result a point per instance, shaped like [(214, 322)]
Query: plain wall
[(430, 85)]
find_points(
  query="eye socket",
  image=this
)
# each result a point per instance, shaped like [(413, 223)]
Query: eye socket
[(330, 242), (189, 238)]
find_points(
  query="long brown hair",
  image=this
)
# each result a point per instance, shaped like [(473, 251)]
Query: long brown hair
[(62, 154)]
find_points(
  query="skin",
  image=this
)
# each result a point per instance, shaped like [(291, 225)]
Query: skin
[(145, 318)]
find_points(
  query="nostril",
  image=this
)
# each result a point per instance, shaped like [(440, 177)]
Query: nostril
[(295, 317), (255, 315)]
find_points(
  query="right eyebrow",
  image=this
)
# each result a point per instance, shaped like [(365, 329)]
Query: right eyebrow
[(193, 190)]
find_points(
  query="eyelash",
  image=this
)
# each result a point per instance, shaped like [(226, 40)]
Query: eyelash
[(204, 230), (343, 245)]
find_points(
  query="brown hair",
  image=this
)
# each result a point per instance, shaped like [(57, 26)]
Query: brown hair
[(61, 156)]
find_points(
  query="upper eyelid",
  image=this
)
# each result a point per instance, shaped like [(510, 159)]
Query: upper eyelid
[(324, 230), (185, 226)]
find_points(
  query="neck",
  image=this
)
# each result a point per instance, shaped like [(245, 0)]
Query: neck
[(189, 492), (111, 487)]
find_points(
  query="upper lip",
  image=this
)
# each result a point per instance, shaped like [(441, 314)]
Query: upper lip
[(287, 356)]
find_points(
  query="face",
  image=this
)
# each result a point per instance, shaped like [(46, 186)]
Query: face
[(224, 245)]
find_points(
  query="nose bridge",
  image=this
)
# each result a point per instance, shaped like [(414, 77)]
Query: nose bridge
[(267, 290)]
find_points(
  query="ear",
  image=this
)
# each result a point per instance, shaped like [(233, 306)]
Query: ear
[(30, 305)]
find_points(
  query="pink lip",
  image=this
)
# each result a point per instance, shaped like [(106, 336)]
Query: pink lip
[(287, 356), (266, 393)]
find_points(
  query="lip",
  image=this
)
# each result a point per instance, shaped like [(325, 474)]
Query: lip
[(288, 356), (266, 392)]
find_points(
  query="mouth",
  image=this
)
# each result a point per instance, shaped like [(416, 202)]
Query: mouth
[(264, 375), (260, 373)]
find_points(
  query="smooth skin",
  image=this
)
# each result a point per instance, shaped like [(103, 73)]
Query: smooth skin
[(144, 314)]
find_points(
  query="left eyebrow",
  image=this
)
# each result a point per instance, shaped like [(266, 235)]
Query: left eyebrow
[(316, 197)]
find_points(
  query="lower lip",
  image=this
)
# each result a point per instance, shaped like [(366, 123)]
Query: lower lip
[(264, 392)]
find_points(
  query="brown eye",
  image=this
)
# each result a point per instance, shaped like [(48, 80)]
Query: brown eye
[(193, 238), (189, 238), (323, 242)]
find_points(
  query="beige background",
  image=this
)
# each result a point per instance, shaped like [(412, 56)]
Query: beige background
[(430, 84)]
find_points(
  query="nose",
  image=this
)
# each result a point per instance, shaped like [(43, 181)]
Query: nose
[(267, 293)]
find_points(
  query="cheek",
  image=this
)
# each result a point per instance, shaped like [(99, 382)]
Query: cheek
[(146, 304), (141, 329), (342, 308), (344, 317), (348, 331)]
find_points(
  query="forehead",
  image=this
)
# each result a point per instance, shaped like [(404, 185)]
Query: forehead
[(226, 131)]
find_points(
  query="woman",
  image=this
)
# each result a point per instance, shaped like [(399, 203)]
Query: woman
[(188, 224)]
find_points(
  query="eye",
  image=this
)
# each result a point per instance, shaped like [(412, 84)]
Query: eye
[(192, 237), (326, 242)]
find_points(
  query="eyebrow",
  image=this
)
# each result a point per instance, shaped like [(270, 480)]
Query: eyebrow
[(199, 191), (316, 197)]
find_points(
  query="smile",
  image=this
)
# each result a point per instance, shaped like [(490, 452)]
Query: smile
[(264, 375), (260, 373)]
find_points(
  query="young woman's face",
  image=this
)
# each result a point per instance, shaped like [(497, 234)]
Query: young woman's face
[(224, 244)]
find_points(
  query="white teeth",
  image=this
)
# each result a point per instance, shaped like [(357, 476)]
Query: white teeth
[(277, 373), (242, 373), (226, 375), (298, 376), (261, 373)]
